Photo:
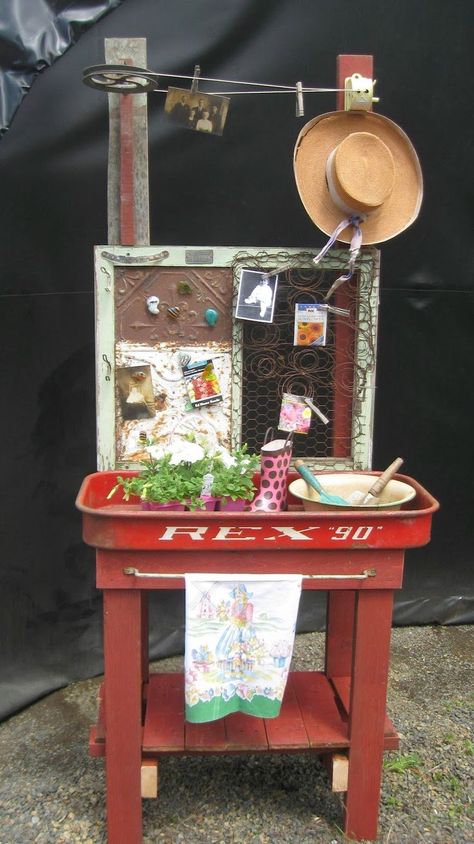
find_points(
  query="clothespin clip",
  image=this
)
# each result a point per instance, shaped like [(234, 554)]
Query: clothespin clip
[(316, 410), (196, 75), (299, 100), (337, 311), (276, 271), (359, 93)]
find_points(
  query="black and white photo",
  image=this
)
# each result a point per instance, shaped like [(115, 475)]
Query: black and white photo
[(198, 111), (256, 296)]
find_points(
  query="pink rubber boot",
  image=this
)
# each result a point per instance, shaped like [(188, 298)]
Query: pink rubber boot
[(275, 462)]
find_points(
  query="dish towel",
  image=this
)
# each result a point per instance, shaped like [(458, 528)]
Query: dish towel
[(240, 631)]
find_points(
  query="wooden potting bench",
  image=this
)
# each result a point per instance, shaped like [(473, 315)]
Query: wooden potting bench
[(357, 557)]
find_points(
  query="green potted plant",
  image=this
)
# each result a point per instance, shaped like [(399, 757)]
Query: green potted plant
[(233, 478), (170, 479)]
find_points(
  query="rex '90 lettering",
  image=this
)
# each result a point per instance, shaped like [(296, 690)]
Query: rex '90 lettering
[(267, 533)]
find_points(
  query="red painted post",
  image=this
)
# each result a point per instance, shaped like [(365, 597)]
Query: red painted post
[(144, 635), (127, 183), (339, 633), (344, 332), (123, 714), (373, 621), (127, 193)]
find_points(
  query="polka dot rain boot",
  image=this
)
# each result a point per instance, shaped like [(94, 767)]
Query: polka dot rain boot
[(275, 462)]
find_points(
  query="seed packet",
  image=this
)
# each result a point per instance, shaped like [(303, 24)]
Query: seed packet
[(310, 325), (202, 383), (295, 415)]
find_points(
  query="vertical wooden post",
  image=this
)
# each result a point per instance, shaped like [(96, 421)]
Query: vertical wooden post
[(127, 184), (345, 334), (126, 657), (123, 714), (373, 621), (339, 633)]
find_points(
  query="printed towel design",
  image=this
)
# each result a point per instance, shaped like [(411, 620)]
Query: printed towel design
[(240, 632)]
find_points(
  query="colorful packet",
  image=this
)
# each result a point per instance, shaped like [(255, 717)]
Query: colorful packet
[(295, 415), (202, 383), (310, 325)]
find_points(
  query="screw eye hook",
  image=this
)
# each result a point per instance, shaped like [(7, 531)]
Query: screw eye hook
[(108, 365)]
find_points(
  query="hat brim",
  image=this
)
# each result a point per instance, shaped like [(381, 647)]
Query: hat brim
[(315, 143)]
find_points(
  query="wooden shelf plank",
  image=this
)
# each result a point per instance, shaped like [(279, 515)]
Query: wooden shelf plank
[(309, 720), (245, 732), (207, 738), (288, 730), (322, 719)]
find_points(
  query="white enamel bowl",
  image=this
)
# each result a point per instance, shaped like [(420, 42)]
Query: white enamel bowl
[(395, 494)]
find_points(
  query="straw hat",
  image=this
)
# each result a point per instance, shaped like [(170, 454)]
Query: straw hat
[(358, 163)]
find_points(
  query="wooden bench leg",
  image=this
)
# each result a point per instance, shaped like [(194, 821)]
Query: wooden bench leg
[(371, 650), (123, 710)]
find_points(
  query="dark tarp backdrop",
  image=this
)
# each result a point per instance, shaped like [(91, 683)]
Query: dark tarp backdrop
[(238, 189)]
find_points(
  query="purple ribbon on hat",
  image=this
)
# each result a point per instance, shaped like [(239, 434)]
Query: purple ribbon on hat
[(354, 249)]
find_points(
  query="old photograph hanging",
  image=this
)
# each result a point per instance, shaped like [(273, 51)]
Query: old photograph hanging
[(136, 392), (256, 296), (198, 111)]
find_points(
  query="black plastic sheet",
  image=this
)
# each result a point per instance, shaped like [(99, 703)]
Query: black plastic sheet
[(32, 36)]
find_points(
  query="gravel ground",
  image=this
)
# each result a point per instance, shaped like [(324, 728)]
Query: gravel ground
[(51, 792)]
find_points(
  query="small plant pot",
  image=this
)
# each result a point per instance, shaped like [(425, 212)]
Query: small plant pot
[(156, 505), (210, 503), (237, 506)]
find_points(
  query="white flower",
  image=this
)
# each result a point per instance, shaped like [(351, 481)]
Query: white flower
[(226, 458), (155, 451), (182, 452), (186, 452)]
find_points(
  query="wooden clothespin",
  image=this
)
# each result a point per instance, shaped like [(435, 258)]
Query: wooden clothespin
[(299, 100), (316, 409), (196, 75)]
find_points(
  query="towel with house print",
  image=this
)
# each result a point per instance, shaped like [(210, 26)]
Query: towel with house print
[(240, 632)]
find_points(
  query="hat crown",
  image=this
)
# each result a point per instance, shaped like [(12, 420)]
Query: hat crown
[(362, 171)]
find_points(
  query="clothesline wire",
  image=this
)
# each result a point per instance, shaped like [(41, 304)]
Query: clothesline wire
[(198, 79), (270, 88), (235, 93)]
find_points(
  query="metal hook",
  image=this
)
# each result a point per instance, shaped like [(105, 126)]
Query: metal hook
[(109, 366)]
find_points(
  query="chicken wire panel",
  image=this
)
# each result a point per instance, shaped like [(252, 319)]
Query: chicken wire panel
[(338, 377), (140, 387)]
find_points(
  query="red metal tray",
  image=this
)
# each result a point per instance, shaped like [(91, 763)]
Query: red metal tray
[(124, 526)]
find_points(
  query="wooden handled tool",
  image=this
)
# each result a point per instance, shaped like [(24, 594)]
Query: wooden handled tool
[(381, 482)]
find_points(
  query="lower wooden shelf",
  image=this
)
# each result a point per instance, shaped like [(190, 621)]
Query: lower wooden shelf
[(313, 716)]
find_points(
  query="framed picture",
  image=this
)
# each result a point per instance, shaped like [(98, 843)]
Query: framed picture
[(256, 296), (184, 344)]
